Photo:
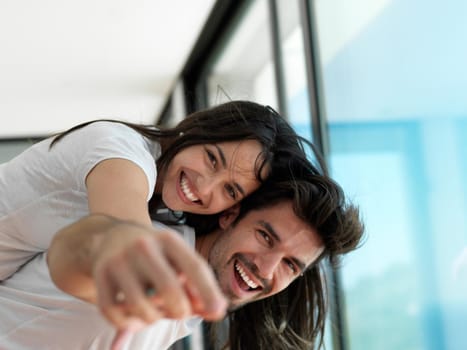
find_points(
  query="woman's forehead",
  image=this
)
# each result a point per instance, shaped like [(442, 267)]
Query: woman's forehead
[(242, 155)]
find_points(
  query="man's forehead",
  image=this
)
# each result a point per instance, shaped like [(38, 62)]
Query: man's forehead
[(270, 212), (287, 228), (279, 217)]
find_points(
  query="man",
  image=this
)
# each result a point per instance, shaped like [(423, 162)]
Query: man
[(262, 252), (295, 317)]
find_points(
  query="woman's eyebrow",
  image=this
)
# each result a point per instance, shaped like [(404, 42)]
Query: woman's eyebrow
[(224, 165), (221, 155)]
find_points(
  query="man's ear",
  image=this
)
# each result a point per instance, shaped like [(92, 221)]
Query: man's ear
[(228, 216)]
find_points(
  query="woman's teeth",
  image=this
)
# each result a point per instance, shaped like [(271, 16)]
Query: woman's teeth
[(186, 190), (245, 278)]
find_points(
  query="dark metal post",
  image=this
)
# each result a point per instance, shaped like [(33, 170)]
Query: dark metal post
[(320, 139), (277, 57)]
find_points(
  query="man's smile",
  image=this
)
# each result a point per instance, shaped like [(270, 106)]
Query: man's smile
[(242, 276)]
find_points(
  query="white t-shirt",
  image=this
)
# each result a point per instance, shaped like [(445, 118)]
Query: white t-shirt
[(35, 314), (42, 190)]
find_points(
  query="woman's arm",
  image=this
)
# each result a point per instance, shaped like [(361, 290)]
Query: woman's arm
[(113, 263), (119, 188)]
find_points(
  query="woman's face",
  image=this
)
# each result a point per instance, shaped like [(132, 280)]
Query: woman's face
[(208, 178)]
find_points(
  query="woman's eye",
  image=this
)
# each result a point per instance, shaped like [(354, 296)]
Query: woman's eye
[(231, 192), (212, 158)]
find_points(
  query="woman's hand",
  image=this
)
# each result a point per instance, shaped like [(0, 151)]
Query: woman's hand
[(134, 274), (149, 275)]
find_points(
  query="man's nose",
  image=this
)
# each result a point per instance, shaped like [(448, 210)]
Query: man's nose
[(267, 264)]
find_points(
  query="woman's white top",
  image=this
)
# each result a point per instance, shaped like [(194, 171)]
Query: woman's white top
[(35, 314), (43, 189)]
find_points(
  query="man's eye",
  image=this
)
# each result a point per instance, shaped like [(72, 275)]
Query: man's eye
[(291, 266), (265, 237), (212, 158)]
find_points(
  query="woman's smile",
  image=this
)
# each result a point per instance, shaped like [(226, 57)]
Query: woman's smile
[(206, 179)]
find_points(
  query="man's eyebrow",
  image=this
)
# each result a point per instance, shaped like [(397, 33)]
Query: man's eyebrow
[(224, 164), (301, 265)]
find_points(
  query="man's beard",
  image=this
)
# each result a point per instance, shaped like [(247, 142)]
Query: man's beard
[(265, 285)]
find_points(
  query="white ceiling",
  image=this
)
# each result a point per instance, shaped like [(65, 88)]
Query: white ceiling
[(67, 61)]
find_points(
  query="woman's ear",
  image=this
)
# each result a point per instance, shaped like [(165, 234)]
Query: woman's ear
[(228, 216)]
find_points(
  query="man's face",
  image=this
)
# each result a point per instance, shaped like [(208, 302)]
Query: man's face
[(262, 253)]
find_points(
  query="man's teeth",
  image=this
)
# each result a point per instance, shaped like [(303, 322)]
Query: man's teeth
[(186, 190), (245, 278)]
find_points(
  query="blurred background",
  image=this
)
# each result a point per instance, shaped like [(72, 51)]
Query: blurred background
[(380, 86)]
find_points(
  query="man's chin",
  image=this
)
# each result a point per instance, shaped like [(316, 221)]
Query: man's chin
[(235, 305)]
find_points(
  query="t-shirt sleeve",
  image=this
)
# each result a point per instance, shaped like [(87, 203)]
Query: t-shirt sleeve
[(100, 141)]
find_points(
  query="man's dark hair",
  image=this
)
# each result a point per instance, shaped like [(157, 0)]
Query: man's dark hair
[(295, 318)]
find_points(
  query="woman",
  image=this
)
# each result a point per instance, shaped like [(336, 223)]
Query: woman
[(207, 163)]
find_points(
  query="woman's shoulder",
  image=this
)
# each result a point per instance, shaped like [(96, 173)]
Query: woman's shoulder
[(107, 127), (99, 131)]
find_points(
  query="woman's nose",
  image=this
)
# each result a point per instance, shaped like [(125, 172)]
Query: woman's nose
[(208, 185)]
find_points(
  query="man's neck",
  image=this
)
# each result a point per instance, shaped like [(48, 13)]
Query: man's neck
[(204, 243)]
